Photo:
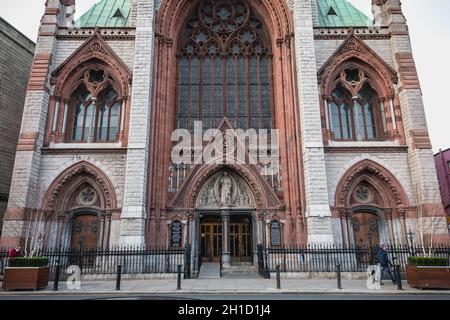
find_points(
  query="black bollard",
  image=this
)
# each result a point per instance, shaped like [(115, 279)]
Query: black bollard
[(278, 278), (338, 271), (119, 276), (398, 278), (179, 277), (56, 282)]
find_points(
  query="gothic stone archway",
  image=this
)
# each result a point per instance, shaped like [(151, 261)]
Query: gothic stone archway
[(226, 219), (368, 191), (82, 199)]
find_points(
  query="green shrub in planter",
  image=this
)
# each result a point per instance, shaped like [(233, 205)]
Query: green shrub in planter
[(22, 262), (427, 262)]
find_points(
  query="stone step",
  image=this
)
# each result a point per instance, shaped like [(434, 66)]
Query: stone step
[(209, 270)]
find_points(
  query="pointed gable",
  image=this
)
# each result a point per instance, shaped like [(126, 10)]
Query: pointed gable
[(93, 49), (355, 48)]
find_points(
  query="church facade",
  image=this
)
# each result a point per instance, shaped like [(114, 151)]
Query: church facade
[(108, 93)]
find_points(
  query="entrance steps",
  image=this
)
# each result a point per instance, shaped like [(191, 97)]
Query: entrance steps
[(209, 270), (241, 270)]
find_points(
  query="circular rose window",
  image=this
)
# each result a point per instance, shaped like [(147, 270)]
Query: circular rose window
[(362, 194), (87, 196)]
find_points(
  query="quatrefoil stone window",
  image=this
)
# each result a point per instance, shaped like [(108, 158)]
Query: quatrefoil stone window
[(362, 194)]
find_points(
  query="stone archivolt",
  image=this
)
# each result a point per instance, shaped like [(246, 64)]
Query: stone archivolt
[(59, 191)]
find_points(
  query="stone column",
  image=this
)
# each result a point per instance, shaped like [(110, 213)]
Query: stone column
[(318, 213), (226, 259), (401, 213), (132, 228), (390, 227), (350, 238), (107, 230), (344, 226)]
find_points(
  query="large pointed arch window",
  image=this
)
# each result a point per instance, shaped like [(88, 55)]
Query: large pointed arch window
[(224, 68), (355, 110), (95, 109)]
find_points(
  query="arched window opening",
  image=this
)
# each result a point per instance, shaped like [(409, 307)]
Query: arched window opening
[(224, 68), (355, 111), (96, 108)]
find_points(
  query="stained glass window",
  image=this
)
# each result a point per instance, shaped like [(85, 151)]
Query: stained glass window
[(224, 68)]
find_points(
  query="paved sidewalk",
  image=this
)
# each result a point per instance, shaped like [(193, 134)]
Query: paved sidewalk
[(227, 286)]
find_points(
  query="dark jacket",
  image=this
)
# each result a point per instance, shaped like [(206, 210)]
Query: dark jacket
[(383, 258)]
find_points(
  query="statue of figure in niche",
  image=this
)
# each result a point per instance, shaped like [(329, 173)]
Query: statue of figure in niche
[(226, 185)]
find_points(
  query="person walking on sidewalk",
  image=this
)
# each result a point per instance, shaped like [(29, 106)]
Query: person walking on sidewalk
[(385, 263)]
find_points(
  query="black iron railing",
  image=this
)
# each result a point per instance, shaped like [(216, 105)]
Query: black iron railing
[(325, 258), (134, 260), (143, 260)]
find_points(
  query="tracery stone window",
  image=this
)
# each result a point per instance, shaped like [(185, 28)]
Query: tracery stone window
[(224, 68), (94, 108), (354, 107)]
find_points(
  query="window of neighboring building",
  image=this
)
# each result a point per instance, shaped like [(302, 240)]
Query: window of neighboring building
[(224, 68), (448, 164), (355, 113), (96, 109)]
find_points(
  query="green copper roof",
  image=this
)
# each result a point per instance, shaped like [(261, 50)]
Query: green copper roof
[(341, 13), (104, 14)]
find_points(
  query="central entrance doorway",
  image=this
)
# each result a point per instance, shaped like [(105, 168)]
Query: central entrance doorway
[(240, 238)]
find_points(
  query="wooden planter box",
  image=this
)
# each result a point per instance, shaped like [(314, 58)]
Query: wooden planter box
[(428, 277), (26, 278)]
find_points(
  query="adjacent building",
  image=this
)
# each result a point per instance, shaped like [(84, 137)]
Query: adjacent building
[(108, 91), (16, 56)]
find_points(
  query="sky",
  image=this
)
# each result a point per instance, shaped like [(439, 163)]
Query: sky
[(429, 27)]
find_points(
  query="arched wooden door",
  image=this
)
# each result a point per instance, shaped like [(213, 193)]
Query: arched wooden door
[(85, 229)]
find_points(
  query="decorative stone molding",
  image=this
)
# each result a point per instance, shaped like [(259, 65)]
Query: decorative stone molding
[(106, 33), (93, 49), (357, 149), (375, 33), (71, 175), (355, 50), (371, 169)]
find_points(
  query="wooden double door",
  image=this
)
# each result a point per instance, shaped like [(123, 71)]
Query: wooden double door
[(85, 230), (239, 235), (365, 229)]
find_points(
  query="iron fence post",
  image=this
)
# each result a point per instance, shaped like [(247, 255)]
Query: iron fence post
[(398, 277), (119, 276), (187, 262), (339, 283), (57, 273), (278, 277), (179, 277)]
